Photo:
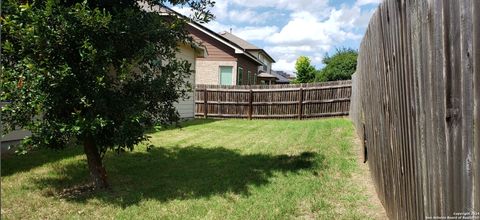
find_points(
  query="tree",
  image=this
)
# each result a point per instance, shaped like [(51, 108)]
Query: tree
[(341, 66), (305, 70), (97, 73)]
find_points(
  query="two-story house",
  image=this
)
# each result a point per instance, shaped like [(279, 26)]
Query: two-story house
[(264, 73), (228, 63)]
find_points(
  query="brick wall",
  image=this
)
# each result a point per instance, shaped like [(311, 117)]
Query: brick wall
[(207, 72)]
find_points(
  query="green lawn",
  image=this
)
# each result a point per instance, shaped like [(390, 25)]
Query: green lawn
[(230, 169)]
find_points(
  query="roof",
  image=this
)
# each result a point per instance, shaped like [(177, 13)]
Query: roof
[(238, 49), (164, 10), (244, 44), (266, 75), (239, 41), (281, 78)]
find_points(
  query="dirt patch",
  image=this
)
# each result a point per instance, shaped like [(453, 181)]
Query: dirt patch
[(363, 177)]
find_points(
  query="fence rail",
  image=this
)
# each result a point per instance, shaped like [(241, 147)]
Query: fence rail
[(416, 104), (277, 101)]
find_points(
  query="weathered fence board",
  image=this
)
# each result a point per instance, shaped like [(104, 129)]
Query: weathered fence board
[(277, 101), (415, 103)]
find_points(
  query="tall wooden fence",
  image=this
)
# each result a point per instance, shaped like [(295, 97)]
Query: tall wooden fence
[(416, 104), (277, 101)]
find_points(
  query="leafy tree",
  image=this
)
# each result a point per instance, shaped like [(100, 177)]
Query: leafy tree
[(305, 70), (340, 66), (97, 73)]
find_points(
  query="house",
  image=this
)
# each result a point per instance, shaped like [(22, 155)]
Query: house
[(231, 60), (189, 52), (282, 77), (227, 63), (265, 70)]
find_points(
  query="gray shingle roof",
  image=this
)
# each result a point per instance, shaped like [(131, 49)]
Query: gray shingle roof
[(280, 77), (239, 41), (243, 43)]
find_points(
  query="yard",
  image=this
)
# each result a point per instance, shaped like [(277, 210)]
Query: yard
[(228, 169)]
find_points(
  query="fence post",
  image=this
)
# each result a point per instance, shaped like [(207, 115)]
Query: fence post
[(250, 107), (300, 103), (205, 103)]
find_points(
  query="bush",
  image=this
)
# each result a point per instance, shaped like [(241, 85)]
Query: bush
[(341, 66)]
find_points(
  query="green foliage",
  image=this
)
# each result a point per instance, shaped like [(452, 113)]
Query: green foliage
[(305, 70), (103, 70), (341, 66)]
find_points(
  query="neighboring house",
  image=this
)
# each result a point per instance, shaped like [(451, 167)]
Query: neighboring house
[(259, 53), (227, 62), (186, 108), (283, 77), (189, 52), (231, 60), (264, 75)]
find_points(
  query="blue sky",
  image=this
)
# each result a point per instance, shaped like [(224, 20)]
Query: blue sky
[(287, 29)]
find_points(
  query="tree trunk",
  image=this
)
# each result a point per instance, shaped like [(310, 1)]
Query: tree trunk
[(97, 171)]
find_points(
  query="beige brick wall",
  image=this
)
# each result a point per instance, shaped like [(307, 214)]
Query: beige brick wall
[(208, 72)]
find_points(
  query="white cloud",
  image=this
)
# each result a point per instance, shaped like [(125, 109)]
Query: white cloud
[(247, 33), (280, 49), (367, 2), (187, 11), (287, 29), (316, 6), (351, 17), (248, 16), (219, 27), (307, 34), (305, 29), (285, 65), (220, 10), (255, 33)]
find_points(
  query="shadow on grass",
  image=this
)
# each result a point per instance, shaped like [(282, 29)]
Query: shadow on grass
[(165, 174), (12, 163), (22, 163)]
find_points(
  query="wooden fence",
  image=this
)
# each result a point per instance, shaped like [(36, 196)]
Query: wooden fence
[(277, 101), (416, 104)]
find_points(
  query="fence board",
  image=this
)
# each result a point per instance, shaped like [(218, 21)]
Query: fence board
[(476, 85), (278, 101), (415, 104)]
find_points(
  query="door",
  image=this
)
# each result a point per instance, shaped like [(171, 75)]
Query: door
[(226, 75)]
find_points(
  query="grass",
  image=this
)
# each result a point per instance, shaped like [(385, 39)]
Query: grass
[(230, 169)]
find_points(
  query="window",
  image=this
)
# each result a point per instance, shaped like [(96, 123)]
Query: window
[(226, 75), (254, 79), (240, 76), (249, 76)]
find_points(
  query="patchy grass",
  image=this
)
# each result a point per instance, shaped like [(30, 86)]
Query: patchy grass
[(229, 169)]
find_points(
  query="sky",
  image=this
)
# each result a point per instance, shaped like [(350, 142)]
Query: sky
[(287, 29)]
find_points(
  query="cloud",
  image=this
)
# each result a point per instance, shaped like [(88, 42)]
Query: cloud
[(285, 65), (367, 2), (287, 29), (316, 6), (248, 16), (247, 33), (255, 33), (306, 30)]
